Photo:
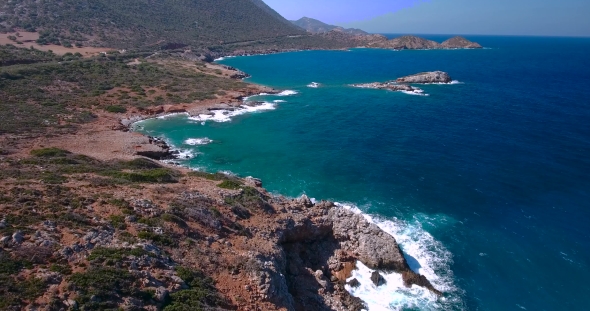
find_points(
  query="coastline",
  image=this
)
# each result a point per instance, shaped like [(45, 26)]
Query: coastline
[(296, 221)]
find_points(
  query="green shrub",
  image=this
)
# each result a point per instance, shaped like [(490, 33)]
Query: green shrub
[(63, 269), (118, 221), (156, 238), (173, 218), (201, 294), (49, 152), (116, 109), (230, 184), (107, 284), (216, 176), (54, 179), (160, 175), (9, 266), (141, 163)]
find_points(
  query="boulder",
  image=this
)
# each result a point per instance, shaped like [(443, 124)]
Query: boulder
[(161, 294), (354, 283), (377, 279), (18, 237), (426, 77), (305, 201)]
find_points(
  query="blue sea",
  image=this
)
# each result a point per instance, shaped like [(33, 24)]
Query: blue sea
[(485, 182)]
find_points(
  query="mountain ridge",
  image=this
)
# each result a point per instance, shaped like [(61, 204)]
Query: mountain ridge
[(133, 23), (315, 26)]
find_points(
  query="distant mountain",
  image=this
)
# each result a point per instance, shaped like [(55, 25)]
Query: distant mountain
[(133, 23), (315, 26)]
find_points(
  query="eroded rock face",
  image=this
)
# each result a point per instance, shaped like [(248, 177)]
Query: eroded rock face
[(426, 77), (374, 247)]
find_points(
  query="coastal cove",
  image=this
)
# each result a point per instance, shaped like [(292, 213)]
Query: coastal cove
[(482, 182)]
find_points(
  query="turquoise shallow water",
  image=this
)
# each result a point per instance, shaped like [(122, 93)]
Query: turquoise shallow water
[(484, 183)]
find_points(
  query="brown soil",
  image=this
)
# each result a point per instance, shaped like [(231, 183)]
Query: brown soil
[(29, 39)]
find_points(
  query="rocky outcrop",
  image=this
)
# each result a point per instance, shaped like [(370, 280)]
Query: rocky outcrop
[(460, 43), (426, 77), (409, 43), (392, 86), (319, 245)]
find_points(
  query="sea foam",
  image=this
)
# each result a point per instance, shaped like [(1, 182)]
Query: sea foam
[(417, 92), (424, 254), (287, 93), (198, 141), (224, 115)]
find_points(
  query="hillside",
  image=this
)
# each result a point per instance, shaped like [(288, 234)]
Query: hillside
[(134, 23), (315, 26)]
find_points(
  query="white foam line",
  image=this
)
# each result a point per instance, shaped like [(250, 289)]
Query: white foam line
[(226, 115), (415, 92), (443, 83)]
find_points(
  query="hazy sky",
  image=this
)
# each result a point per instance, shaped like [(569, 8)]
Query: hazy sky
[(509, 17)]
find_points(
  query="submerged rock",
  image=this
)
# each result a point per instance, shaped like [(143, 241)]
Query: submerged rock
[(426, 77)]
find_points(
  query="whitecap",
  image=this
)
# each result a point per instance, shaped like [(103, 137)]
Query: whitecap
[(424, 254), (314, 85), (198, 141), (185, 154), (445, 83), (287, 93), (279, 101), (417, 92)]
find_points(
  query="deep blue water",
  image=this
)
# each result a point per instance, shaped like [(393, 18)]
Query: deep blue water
[(486, 182)]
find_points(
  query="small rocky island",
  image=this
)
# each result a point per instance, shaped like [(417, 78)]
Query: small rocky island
[(403, 84), (426, 77)]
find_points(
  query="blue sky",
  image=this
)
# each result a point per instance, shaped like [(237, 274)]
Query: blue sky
[(502, 17)]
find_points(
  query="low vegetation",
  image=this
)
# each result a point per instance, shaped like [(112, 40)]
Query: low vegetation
[(139, 23), (41, 91)]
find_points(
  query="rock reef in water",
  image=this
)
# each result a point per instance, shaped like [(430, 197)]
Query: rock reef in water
[(426, 77), (392, 86)]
